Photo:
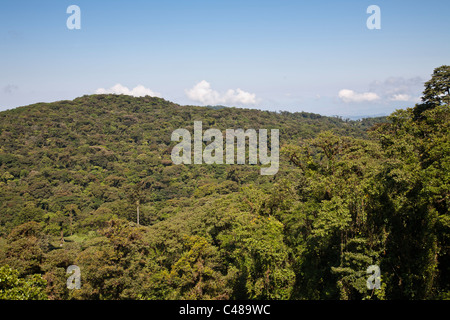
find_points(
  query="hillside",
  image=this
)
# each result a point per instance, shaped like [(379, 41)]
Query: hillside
[(74, 175), (89, 152)]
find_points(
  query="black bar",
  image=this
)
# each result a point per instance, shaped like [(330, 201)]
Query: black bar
[(224, 309)]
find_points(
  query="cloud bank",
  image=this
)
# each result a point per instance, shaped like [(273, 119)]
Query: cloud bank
[(202, 92), (349, 96), (397, 89), (138, 91)]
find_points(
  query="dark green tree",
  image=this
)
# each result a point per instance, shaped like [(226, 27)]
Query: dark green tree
[(437, 91)]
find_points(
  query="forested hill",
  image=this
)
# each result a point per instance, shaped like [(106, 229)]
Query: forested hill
[(89, 152), (90, 182)]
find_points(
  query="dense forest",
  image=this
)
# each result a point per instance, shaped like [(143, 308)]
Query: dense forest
[(90, 182)]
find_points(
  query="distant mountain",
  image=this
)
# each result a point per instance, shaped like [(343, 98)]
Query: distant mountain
[(355, 118)]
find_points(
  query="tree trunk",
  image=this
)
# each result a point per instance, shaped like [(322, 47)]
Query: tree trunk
[(137, 210), (71, 220), (62, 238)]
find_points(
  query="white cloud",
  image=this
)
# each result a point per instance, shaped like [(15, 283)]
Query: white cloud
[(400, 97), (351, 96), (138, 91), (203, 93)]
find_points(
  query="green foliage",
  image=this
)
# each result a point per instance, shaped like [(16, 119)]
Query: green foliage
[(12, 287), (415, 190), (436, 93), (437, 90), (196, 274)]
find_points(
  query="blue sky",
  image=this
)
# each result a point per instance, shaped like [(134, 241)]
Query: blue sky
[(315, 56)]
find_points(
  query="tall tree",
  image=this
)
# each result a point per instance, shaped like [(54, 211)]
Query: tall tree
[(437, 91)]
